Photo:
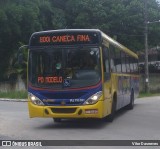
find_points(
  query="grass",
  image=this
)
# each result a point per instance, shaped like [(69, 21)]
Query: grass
[(14, 94), (142, 94)]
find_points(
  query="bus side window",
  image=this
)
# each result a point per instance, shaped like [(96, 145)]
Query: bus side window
[(106, 63), (113, 68), (136, 66), (113, 59), (127, 63), (131, 65), (123, 62), (134, 63), (118, 61)]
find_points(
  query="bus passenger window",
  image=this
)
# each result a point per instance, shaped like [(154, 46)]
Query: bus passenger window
[(132, 65), (136, 66), (113, 68), (123, 62), (106, 63), (118, 61), (113, 59), (127, 64), (107, 66)]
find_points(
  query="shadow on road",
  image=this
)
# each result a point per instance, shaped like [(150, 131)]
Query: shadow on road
[(82, 123), (75, 123)]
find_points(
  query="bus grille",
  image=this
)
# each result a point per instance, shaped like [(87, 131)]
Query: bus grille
[(63, 95), (63, 110)]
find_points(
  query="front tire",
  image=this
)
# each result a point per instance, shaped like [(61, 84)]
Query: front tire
[(110, 117)]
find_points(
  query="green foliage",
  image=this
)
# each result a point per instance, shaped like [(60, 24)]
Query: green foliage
[(123, 19), (14, 95), (142, 94)]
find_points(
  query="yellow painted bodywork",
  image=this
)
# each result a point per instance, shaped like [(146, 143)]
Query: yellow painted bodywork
[(103, 106), (39, 111)]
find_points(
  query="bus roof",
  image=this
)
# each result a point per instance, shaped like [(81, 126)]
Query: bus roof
[(75, 37), (118, 45)]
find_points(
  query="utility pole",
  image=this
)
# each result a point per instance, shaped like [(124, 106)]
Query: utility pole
[(146, 47)]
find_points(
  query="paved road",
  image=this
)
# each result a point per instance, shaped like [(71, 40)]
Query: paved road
[(143, 122)]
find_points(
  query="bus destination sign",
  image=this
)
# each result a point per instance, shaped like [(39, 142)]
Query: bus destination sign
[(50, 79), (64, 38), (68, 38)]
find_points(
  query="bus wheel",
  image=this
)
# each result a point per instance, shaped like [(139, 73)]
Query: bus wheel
[(131, 104), (57, 120), (110, 117)]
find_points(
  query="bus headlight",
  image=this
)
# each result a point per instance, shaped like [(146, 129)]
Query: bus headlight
[(35, 100), (93, 99)]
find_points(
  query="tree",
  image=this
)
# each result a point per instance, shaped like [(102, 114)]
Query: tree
[(19, 19), (123, 19)]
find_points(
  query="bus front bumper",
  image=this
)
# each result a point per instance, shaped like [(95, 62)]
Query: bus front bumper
[(84, 111)]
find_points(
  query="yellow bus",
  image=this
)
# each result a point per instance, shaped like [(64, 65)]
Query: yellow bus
[(79, 73)]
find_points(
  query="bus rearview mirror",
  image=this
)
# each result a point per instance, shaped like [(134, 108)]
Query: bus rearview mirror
[(20, 53)]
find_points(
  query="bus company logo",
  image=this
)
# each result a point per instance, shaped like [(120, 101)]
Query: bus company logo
[(6, 143), (63, 102)]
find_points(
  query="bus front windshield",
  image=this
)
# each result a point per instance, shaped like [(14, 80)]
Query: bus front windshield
[(62, 68)]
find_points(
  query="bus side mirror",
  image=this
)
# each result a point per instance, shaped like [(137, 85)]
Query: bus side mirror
[(20, 58), (20, 54)]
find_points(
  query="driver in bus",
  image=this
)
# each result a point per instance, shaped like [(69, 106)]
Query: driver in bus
[(87, 62)]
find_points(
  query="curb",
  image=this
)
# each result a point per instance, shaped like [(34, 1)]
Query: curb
[(13, 100)]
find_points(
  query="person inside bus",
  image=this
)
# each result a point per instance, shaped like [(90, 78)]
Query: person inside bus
[(58, 66), (87, 62)]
